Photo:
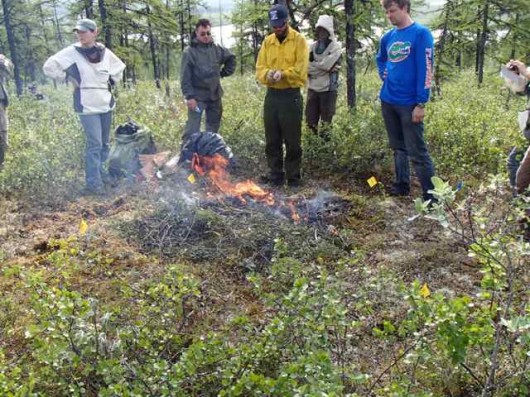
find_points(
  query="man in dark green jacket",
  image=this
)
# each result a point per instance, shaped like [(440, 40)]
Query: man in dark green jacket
[(203, 65)]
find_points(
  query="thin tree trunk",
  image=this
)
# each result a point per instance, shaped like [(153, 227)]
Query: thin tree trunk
[(167, 51), (441, 47), (477, 41), (89, 9), (482, 43), (515, 37), (6, 8), (152, 48), (240, 50), (182, 27), (190, 29), (105, 24), (255, 36), (124, 42), (349, 8), (30, 63), (42, 26), (60, 38)]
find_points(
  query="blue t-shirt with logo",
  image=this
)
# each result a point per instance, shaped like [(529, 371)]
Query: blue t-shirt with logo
[(405, 61)]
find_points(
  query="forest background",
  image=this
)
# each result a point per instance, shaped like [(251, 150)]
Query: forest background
[(174, 289)]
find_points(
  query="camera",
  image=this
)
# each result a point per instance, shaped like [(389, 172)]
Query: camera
[(513, 68)]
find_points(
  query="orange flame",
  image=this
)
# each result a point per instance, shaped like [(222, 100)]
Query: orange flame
[(214, 167)]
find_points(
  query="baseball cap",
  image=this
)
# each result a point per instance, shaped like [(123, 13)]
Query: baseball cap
[(84, 25), (278, 14)]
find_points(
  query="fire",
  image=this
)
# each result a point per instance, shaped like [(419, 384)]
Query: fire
[(214, 167)]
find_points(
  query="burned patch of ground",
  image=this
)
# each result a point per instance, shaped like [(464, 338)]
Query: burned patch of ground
[(240, 236)]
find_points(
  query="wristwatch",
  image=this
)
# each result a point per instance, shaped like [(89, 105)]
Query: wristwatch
[(420, 105)]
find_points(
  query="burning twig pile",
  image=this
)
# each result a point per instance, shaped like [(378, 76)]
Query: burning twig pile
[(238, 219), (296, 208)]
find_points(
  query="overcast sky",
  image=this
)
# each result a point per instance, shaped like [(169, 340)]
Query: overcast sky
[(226, 5)]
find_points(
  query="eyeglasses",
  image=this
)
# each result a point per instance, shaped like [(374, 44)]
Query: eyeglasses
[(279, 27), (205, 34)]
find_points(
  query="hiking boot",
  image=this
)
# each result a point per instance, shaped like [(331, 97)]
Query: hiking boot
[(399, 191), (272, 180), (429, 197), (109, 180), (294, 182), (93, 191)]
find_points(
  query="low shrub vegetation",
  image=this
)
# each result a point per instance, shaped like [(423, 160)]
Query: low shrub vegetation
[(169, 291)]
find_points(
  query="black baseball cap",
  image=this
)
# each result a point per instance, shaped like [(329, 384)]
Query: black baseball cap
[(278, 15)]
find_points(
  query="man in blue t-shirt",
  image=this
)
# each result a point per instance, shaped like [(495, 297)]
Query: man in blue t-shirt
[(405, 61)]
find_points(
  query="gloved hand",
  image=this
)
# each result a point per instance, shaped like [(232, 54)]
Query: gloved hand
[(277, 76)]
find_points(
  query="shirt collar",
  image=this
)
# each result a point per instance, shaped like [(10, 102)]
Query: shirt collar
[(290, 36)]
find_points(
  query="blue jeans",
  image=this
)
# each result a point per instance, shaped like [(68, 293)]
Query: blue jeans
[(97, 132), (406, 140)]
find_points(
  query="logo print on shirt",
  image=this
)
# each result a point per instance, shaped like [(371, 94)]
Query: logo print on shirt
[(399, 51)]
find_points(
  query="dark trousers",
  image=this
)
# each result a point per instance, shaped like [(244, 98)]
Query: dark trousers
[(406, 140), (321, 106), (282, 115), (214, 112)]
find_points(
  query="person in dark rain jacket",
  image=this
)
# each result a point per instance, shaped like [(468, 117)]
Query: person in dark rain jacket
[(204, 63)]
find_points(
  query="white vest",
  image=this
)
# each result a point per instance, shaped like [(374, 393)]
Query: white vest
[(92, 96)]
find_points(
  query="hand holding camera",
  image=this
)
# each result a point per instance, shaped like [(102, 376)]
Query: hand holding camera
[(518, 67)]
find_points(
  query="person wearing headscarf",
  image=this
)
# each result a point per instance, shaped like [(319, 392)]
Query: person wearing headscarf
[(324, 64)]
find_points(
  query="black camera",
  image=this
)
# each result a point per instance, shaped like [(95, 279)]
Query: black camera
[(513, 68)]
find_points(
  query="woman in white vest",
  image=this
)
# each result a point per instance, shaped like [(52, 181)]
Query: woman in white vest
[(93, 70)]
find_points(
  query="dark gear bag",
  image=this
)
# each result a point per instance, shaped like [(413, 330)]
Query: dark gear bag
[(130, 141), (205, 144)]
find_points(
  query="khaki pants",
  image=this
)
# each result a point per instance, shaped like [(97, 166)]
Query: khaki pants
[(3, 132)]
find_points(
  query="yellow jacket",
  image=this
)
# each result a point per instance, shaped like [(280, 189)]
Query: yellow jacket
[(291, 57)]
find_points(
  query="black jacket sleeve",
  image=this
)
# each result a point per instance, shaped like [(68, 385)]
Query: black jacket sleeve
[(186, 75), (228, 60)]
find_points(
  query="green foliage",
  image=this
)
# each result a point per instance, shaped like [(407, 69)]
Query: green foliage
[(46, 154), (479, 333), (315, 312), (460, 24), (45, 149)]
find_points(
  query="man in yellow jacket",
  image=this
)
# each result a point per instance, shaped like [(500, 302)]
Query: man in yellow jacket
[(282, 67)]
